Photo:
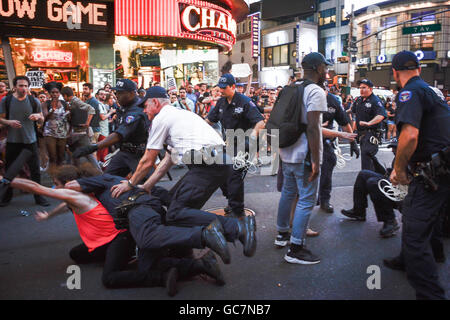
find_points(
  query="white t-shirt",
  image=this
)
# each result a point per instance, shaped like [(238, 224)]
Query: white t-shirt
[(182, 131), (314, 99)]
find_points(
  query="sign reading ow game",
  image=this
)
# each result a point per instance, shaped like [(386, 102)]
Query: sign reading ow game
[(188, 19)]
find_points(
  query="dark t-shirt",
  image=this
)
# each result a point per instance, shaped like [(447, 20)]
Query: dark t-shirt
[(419, 106)]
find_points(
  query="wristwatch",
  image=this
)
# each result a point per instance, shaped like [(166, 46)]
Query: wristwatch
[(130, 184)]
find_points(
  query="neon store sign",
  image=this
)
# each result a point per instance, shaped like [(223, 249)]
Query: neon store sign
[(52, 56), (189, 19)]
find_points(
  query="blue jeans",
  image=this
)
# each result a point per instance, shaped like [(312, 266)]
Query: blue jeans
[(296, 182)]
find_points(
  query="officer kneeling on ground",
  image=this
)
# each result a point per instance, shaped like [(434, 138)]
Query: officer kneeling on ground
[(187, 135), (423, 123)]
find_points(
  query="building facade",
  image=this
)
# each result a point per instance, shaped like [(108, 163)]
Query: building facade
[(419, 26)]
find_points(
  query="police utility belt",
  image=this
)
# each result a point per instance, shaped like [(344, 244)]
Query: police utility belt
[(375, 135), (120, 218), (429, 172), (138, 149)]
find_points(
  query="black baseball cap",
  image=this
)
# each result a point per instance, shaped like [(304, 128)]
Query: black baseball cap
[(405, 60), (156, 92), (125, 85), (367, 82), (313, 60), (226, 80)]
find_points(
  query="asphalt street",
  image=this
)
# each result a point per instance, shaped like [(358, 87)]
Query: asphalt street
[(34, 256)]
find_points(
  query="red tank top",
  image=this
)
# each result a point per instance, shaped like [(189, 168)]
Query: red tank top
[(96, 227)]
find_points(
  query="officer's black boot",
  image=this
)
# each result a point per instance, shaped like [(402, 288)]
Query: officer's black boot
[(395, 263), (247, 235), (169, 280), (389, 228), (356, 214), (327, 207), (213, 238), (208, 265)]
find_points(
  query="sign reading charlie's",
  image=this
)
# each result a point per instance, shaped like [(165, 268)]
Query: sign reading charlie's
[(86, 15)]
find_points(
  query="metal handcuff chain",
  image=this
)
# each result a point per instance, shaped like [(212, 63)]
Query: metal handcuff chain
[(109, 157), (341, 158), (241, 162), (394, 193)]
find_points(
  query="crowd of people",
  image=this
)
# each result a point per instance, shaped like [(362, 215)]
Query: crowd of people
[(107, 150)]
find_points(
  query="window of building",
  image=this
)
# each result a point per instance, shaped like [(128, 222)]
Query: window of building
[(276, 56), (243, 47), (327, 18), (423, 41), (388, 42), (250, 26), (366, 44)]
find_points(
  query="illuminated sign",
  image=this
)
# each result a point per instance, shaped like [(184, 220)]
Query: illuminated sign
[(255, 35), (381, 58), (89, 15), (51, 56), (189, 19)]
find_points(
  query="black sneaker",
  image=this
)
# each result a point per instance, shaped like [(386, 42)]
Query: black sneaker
[(389, 229), (282, 239), (301, 256), (394, 264), (354, 214), (327, 207)]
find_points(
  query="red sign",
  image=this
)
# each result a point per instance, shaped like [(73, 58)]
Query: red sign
[(188, 19), (52, 56)]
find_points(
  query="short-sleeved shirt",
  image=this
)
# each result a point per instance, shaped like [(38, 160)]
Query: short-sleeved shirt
[(241, 113), (391, 110), (21, 111), (94, 103), (366, 110), (335, 112), (104, 124), (133, 124), (314, 99), (189, 105), (419, 106), (182, 131), (101, 186), (57, 125)]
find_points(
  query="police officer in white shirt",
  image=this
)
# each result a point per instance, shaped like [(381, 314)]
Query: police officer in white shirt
[(188, 137)]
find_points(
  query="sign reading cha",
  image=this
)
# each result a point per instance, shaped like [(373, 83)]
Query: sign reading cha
[(207, 19)]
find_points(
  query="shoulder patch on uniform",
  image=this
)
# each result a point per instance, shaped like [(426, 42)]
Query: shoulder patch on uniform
[(405, 96), (129, 119)]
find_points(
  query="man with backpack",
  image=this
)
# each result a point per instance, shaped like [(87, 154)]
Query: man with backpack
[(300, 141), (20, 112)]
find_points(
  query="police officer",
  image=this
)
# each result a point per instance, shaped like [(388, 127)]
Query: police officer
[(235, 111), (423, 123), (367, 184), (370, 113), (335, 113), (131, 133)]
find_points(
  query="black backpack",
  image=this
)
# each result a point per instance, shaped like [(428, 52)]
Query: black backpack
[(286, 115)]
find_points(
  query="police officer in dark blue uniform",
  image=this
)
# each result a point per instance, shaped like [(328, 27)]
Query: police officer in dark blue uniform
[(235, 111), (131, 134), (370, 113), (423, 121), (335, 113)]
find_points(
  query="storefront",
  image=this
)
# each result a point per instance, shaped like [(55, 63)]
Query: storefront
[(56, 40), (174, 41)]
